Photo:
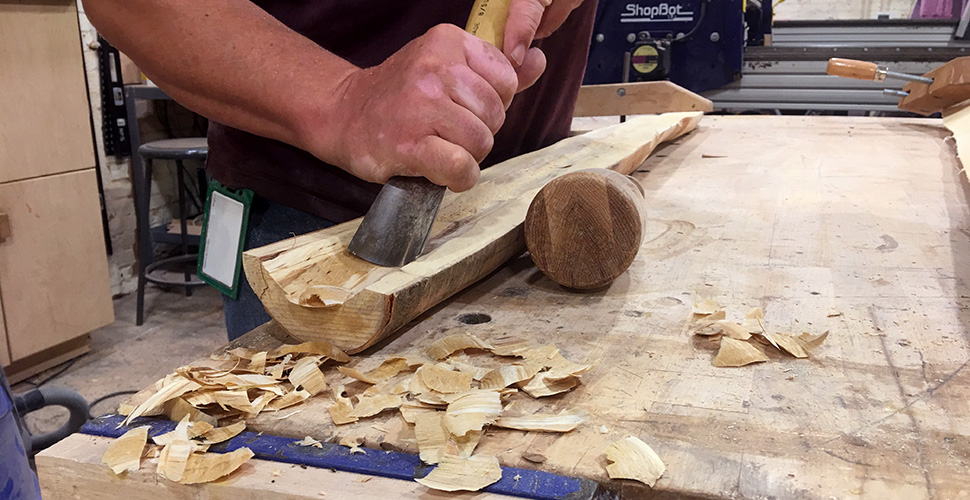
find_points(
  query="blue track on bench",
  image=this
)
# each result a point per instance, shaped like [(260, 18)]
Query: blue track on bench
[(515, 482)]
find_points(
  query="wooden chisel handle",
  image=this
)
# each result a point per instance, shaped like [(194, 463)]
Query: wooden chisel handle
[(851, 68), (487, 21)]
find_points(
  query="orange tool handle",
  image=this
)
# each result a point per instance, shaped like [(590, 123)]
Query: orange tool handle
[(859, 70)]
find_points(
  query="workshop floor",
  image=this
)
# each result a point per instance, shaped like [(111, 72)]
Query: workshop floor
[(177, 330)]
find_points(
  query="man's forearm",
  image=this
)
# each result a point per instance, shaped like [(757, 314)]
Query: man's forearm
[(226, 59)]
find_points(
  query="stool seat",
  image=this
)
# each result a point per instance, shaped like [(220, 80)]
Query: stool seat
[(186, 148)]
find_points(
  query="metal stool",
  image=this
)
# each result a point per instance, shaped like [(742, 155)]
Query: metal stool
[(193, 148)]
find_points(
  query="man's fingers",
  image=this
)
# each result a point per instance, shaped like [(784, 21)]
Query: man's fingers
[(531, 69), (524, 19), (493, 66), (445, 164), (461, 127), (473, 93)]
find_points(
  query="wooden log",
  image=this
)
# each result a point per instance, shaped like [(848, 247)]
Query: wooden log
[(638, 98), (585, 228), (317, 290)]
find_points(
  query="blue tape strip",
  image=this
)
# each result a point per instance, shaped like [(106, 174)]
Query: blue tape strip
[(515, 482)]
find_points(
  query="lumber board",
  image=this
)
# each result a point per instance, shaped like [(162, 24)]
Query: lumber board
[(638, 98), (853, 225), (475, 233), (72, 469)]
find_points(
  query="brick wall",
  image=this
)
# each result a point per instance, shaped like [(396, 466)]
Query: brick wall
[(116, 174)]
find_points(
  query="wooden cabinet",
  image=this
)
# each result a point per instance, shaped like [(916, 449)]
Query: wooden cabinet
[(54, 283)]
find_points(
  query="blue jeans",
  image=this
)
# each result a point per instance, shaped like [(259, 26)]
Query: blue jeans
[(269, 222)]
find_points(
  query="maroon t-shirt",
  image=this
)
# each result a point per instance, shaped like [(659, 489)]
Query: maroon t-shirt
[(366, 32)]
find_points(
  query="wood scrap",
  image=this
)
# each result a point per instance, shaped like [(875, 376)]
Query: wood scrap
[(309, 441), (125, 453), (454, 473), (633, 459)]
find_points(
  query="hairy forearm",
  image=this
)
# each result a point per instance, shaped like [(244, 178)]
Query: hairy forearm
[(226, 59)]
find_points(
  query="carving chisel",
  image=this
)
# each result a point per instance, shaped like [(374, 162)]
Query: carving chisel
[(397, 225)]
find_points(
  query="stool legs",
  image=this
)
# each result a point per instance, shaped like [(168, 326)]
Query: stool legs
[(183, 225), (142, 188)]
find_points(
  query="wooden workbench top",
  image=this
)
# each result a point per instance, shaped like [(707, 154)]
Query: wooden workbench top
[(853, 225)]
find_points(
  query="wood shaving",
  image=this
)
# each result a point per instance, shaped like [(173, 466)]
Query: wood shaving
[(289, 399), (561, 368), (341, 408), (505, 376), (370, 406), (735, 353), (124, 454), (706, 307), (173, 459), (633, 459), (536, 458), (389, 368), (809, 342), (441, 378), (411, 410), (171, 388), (351, 440), (208, 467), (454, 473), (476, 372), (510, 346), (192, 429), (258, 362), (563, 421), (431, 435), (464, 446), (472, 411), (306, 374), (220, 434), (176, 409), (733, 330), (444, 347), (309, 441), (786, 342), (540, 386), (319, 348)]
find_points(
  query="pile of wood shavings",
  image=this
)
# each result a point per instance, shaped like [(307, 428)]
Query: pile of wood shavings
[(743, 343), (237, 385), (450, 401)]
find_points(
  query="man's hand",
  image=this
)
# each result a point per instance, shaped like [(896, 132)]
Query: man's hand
[(533, 20), (430, 110)]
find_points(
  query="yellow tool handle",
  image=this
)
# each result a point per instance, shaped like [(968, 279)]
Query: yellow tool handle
[(487, 21), (850, 68)]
